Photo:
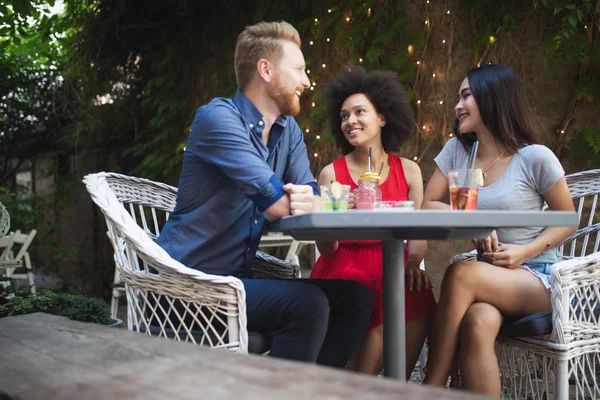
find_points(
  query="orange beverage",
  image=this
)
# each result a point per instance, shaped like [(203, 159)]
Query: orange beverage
[(464, 198)]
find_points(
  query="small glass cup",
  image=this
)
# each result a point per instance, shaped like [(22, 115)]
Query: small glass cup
[(332, 204), (464, 187)]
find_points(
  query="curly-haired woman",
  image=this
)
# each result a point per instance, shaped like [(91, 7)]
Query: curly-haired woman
[(371, 111)]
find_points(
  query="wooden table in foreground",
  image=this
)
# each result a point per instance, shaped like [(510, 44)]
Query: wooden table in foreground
[(48, 357), (395, 226)]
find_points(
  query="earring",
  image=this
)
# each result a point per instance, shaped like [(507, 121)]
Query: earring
[(382, 124)]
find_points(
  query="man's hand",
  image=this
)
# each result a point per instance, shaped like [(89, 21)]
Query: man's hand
[(302, 198)]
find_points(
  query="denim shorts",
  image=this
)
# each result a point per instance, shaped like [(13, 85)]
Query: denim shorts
[(541, 266)]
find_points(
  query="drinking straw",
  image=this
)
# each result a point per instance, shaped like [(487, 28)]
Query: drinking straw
[(473, 155), (370, 168), (472, 158), (381, 169)]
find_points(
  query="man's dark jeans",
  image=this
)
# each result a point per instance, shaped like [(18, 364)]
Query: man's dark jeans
[(320, 320)]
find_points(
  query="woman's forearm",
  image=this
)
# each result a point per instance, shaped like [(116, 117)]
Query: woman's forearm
[(416, 252), (548, 239), (327, 248), (434, 205)]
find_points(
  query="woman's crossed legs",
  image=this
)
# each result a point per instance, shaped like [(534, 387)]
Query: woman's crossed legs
[(463, 314)]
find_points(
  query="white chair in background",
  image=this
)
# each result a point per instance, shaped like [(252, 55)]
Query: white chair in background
[(10, 262)]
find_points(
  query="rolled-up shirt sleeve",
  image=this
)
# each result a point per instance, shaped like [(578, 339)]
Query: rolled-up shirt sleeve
[(219, 137), (298, 166)]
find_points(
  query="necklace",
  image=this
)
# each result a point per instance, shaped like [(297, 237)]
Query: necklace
[(483, 171)]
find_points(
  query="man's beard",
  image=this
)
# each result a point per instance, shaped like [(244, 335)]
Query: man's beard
[(288, 103)]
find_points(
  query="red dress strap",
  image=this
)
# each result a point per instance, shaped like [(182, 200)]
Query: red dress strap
[(395, 186)]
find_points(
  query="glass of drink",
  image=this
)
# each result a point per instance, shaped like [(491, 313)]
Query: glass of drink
[(368, 192), (335, 197), (464, 187)]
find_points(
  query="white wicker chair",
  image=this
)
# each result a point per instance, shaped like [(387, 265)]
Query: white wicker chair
[(164, 297), (542, 367)]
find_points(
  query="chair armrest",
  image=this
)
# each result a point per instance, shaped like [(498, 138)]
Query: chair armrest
[(266, 266), (575, 299)]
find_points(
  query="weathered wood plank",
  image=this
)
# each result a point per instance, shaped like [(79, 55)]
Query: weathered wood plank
[(48, 357)]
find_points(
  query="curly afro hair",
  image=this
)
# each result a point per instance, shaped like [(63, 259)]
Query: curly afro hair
[(384, 91)]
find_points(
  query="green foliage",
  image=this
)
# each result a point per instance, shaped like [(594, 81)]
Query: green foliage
[(76, 307), (586, 143)]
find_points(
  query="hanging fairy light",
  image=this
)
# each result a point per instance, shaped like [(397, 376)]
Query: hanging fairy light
[(315, 155), (318, 137), (307, 130), (418, 101)]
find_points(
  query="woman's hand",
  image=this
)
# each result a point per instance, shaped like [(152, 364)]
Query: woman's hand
[(487, 245), (508, 256), (417, 278), (351, 201)]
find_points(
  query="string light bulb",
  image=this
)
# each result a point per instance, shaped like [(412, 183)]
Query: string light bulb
[(441, 102), (312, 88), (328, 39), (329, 11), (451, 135), (314, 84), (434, 74), (562, 131), (318, 137), (311, 43), (313, 104), (418, 101), (308, 71), (418, 62), (415, 158), (448, 12), (307, 130), (347, 19), (316, 155), (444, 41), (424, 127), (323, 65), (360, 60), (426, 22), (316, 19)]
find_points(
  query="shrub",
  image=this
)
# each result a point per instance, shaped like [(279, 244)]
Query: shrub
[(76, 307)]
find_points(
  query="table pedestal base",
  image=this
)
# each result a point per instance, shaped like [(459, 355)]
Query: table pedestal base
[(394, 323)]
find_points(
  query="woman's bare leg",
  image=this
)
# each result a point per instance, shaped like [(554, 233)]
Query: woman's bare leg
[(515, 292), (479, 370), (368, 358)]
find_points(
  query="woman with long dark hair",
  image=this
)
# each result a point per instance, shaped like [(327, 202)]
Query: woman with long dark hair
[(508, 273)]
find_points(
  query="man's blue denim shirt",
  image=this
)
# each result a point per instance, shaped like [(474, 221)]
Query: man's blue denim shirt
[(229, 178)]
